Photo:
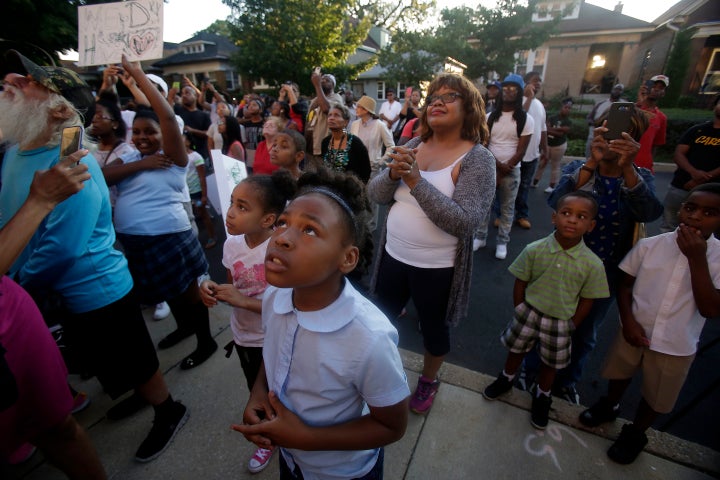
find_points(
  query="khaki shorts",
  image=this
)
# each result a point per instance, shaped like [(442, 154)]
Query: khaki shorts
[(663, 374)]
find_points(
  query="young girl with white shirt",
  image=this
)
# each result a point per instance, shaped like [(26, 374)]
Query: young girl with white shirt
[(255, 205)]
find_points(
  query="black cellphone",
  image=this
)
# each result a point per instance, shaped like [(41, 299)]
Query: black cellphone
[(649, 84), (71, 141), (618, 119)]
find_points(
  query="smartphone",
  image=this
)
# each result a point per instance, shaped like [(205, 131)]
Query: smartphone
[(317, 70), (71, 141), (618, 119), (649, 84), (176, 85)]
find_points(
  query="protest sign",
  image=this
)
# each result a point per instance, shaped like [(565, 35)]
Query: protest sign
[(228, 173), (108, 30)]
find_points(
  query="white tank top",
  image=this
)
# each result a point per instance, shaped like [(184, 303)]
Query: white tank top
[(412, 237)]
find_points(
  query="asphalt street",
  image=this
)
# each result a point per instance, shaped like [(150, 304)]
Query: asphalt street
[(476, 344)]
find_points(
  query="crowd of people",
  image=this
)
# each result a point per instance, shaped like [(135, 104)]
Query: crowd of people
[(320, 359)]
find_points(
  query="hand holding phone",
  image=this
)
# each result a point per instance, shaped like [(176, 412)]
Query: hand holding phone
[(618, 120), (71, 141), (408, 92)]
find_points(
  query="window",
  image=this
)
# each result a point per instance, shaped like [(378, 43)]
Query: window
[(711, 81), (401, 91), (381, 90)]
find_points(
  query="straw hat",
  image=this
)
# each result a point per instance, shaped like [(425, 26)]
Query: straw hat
[(368, 104)]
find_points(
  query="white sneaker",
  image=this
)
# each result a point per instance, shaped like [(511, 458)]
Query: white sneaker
[(260, 459), (549, 189), (162, 310), (478, 244), (501, 252)]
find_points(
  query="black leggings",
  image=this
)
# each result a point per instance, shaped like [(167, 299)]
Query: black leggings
[(429, 289)]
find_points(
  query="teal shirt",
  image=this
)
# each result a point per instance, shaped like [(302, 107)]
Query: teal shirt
[(558, 278), (72, 250)]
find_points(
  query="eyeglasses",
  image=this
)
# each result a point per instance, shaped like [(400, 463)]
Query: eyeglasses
[(444, 98), (510, 88)]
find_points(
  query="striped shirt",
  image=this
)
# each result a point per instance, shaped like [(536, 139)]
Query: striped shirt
[(557, 278)]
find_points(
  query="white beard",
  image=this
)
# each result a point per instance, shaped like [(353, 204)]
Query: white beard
[(22, 120)]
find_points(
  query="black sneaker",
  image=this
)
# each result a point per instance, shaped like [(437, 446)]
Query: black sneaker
[(540, 411), (199, 356), (162, 432), (498, 387), (569, 394), (603, 411), (173, 338), (628, 445)]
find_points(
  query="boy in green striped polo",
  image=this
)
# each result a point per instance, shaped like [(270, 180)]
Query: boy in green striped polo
[(556, 280)]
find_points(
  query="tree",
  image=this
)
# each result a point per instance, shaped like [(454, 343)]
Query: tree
[(484, 39), (218, 27), (393, 15), (678, 64), (283, 40)]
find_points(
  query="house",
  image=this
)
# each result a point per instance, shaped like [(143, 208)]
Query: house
[(206, 55), (594, 48)]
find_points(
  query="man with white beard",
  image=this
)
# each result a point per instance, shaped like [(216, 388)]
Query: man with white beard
[(71, 254)]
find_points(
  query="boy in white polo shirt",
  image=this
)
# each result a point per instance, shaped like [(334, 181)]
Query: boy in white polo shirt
[(671, 284), (560, 263)]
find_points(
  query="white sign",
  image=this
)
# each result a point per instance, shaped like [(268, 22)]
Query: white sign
[(228, 173), (106, 31)]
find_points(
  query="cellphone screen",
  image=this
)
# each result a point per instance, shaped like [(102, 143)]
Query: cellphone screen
[(618, 119), (71, 141)]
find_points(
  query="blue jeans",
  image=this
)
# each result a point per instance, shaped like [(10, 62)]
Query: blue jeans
[(505, 194), (375, 474), (527, 172), (584, 339)]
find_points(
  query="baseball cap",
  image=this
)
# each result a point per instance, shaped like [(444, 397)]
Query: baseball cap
[(661, 78), (620, 86), (515, 79), (159, 82), (495, 84), (60, 80)]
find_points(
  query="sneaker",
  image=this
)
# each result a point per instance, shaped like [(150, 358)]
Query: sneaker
[(22, 454), (126, 407), (496, 223), (424, 395), (569, 394), (540, 411), (524, 223), (501, 385), (628, 445), (534, 183), (162, 310), (80, 402), (501, 252), (260, 459), (162, 433), (478, 244), (549, 189), (601, 412)]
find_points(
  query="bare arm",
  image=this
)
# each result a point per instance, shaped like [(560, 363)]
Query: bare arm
[(519, 291), (632, 331), (172, 141), (694, 247), (383, 425), (582, 310)]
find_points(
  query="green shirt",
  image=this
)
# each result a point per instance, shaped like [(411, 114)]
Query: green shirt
[(557, 278)]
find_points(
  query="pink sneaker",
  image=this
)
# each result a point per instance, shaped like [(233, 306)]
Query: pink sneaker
[(22, 454), (260, 459), (424, 395)]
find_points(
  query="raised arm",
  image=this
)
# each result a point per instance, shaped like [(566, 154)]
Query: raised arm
[(172, 140)]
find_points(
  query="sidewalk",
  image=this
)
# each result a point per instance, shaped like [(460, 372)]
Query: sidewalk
[(463, 437)]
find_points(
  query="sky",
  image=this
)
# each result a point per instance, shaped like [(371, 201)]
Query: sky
[(182, 18)]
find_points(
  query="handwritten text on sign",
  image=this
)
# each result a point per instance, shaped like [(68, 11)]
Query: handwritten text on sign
[(106, 31)]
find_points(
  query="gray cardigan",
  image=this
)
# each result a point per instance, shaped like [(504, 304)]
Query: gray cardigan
[(459, 216)]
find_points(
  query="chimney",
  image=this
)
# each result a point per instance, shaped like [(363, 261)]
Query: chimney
[(618, 8)]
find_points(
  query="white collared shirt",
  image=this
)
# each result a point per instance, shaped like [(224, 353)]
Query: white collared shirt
[(663, 301), (327, 366)]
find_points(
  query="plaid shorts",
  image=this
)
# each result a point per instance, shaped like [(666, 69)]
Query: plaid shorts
[(163, 266), (529, 325)]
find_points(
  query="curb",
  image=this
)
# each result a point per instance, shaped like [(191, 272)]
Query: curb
[(661, 444)]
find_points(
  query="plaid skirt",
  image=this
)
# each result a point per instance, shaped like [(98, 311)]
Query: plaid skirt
[(163, 266)]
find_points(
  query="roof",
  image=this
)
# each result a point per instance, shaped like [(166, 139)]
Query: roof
[(683, 7), (592, 18), (217, 47)]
